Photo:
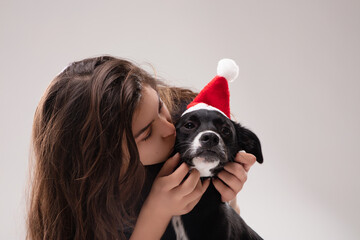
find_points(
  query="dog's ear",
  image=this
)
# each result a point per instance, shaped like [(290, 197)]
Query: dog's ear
[(248, 141)]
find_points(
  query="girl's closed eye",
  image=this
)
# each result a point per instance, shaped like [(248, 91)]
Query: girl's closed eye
[(148, 135)]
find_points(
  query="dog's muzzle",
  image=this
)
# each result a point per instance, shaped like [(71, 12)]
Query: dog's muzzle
[(208, 153)]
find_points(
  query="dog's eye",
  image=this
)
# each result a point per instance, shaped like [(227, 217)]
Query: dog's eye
[(225, 131), (189, 125)]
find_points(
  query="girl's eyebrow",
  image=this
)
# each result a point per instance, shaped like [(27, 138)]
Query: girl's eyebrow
[(147, 126)]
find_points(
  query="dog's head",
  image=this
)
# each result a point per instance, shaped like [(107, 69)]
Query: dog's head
[(207, 140)]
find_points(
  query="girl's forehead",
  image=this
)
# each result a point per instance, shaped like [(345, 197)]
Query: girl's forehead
[(147, 97)]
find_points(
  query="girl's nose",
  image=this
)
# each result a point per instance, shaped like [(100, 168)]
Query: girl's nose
[(168, 129)]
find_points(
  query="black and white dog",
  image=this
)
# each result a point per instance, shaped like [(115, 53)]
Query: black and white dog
[(207, 140)]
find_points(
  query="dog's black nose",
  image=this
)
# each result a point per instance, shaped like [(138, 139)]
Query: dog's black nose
[(209, 140)]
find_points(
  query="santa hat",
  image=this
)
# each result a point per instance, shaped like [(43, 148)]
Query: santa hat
[(215, 96)]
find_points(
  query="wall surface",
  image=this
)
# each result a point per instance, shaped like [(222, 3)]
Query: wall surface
[(299, 91)]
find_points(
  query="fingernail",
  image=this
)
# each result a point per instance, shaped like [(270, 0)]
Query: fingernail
[(242, 151), (183, 164)]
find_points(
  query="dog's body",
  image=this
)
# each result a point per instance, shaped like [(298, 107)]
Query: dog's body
[(207, 140)]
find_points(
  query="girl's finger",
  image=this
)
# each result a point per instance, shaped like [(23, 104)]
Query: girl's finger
[(227, 194), (246, 159), (191, 205), (235, 169), (231, 181), (198, 191), (190, 183), (169, 165), (175, 178)]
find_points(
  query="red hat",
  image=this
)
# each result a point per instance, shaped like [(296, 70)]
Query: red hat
[(215, 96)]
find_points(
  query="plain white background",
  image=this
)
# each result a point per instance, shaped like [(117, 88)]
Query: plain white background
[(298, 90)]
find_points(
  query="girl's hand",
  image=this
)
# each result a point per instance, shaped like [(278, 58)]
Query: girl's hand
[(169, 196), (234, 176)]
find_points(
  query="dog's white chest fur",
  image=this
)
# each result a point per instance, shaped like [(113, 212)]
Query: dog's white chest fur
[(179, 228), (203, 166)]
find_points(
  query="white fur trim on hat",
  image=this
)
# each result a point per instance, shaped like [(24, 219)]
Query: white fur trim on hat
[(205, 106), (228, 69)]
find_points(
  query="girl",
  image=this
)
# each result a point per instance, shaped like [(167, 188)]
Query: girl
[(101, 135)]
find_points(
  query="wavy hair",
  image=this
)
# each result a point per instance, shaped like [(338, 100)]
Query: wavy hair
[(86, 174)]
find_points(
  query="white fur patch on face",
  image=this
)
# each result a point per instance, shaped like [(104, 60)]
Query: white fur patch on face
[(204, 166)]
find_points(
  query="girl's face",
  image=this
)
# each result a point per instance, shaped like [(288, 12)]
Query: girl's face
[(152, 128)]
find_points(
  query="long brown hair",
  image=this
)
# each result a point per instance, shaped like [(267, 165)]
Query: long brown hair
[(84, 185), (175, 98)]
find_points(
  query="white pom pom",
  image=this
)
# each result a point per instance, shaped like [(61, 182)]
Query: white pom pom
[(228, 69)]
